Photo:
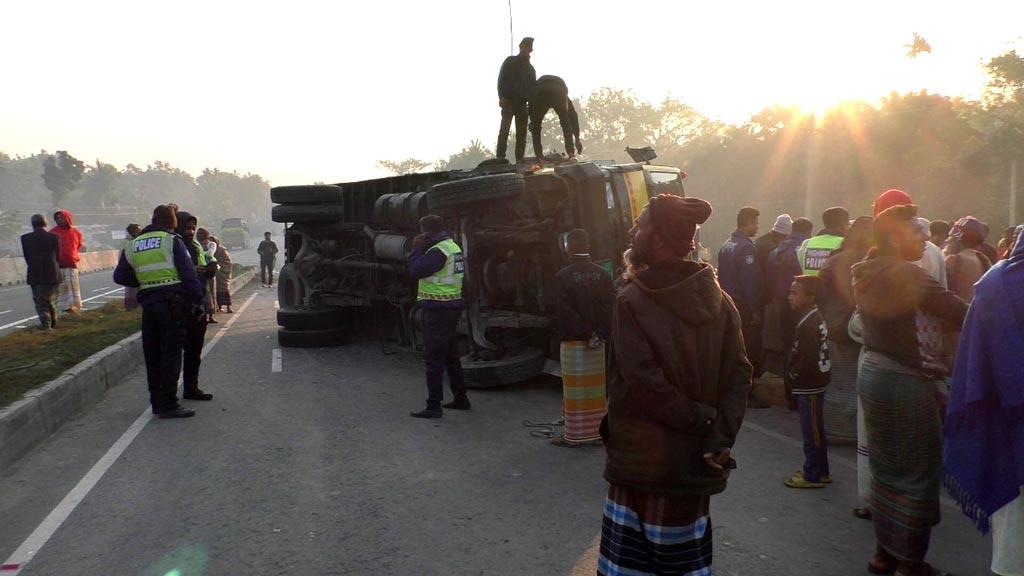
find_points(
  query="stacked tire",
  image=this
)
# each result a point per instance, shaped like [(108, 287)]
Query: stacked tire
[(314, 203), (303, 327)]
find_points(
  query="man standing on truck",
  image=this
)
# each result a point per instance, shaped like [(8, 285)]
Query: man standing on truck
[(550, 92), (268, 254), (438, 265), (515, 86)]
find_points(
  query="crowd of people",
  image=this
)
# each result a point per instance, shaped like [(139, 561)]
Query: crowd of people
[(876, 304)]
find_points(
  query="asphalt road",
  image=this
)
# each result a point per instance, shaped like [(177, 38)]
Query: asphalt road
[(311, 465), (17, 311)]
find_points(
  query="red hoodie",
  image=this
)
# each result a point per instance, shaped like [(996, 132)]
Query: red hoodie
[(71, 241)]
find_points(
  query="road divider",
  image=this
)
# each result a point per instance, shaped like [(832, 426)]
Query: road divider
[(42, 411)]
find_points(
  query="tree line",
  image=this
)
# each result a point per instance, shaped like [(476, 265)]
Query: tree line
[(954, 156), (102, 193)]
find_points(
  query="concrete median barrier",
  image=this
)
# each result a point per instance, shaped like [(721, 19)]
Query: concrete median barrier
[(42, 411), (12, 270)]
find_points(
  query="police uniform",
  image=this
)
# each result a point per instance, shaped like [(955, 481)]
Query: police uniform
[(195, 334), (814, 252), (156, 261), (440, 297)]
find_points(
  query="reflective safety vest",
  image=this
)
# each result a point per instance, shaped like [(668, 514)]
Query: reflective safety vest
[(813, 253), (151, 255), (446, 283), (202, 258)]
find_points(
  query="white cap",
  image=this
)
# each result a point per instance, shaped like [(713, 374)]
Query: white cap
[(783, 224)]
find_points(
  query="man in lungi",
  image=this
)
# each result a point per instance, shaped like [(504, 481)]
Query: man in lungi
[(585, 295), (899, 382), (677, 392)]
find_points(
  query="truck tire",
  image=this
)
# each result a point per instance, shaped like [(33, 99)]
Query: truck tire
[(313, 319), (299, 213), (291, 292), (519, 367), (447, 197), (311, 338), (309, 194)]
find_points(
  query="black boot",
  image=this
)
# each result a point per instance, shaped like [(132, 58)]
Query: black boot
[(460, 403), (176, 412), (427, 413), (197, 394)]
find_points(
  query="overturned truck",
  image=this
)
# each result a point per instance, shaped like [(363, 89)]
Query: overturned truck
[(346, 248)]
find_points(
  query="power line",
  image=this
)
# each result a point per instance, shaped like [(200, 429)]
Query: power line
[(511, 38)]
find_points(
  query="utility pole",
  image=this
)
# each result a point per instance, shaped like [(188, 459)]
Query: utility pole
[(809, 175)]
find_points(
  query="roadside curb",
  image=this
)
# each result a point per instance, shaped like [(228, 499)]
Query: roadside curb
[(42, 411)]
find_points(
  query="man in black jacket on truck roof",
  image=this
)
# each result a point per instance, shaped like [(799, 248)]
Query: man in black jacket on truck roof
[(550, 92), (515, 85)]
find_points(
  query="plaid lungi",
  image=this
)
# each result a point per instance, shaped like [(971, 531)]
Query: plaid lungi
[(70, 295), (647, 534), (584, 400), (905, 454)]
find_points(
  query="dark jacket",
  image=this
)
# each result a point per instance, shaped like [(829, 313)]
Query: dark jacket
[(424, 262), (738, 272), (550, 92), (267, 251), (892, 296), (516, 79), (189, 287), (41, 250), (678, 381), (763, 246), (194, 247), (783, 265), (808, 367), (585, 295)]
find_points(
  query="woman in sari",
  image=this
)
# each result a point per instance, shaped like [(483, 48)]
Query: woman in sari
[(899, 382), (223, 277)]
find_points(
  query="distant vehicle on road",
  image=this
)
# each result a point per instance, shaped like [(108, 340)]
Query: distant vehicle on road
[(346, 248), (234, 233)]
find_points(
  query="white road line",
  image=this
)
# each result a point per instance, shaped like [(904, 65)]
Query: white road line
[(275, 360), (6, 312), (276, 305), (100, 289), (23, 320), (53, 521)]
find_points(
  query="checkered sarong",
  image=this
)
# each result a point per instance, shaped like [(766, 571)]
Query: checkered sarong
[(584, 400)]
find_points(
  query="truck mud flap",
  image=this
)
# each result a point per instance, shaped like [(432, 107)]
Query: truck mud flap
[(520, 367)]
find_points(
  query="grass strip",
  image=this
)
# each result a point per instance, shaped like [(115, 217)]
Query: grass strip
[(30, 357)]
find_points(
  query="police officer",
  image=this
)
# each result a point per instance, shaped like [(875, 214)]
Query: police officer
[(814, 252), (550, 92), (158, 263), (515, 85), (439, 266), (195, 329)]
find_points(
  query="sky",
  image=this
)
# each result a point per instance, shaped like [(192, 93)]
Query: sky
[(318, 91)]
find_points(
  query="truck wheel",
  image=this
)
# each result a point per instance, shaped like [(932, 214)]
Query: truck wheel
[(308, 194), (313, 319), (520, 367), (312, 338), (448, 196), (291, 291), (299, 213)]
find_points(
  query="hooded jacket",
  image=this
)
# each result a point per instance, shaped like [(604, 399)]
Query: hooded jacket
[(678, 381), (897, 302), (71, 241), (783, 265)]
